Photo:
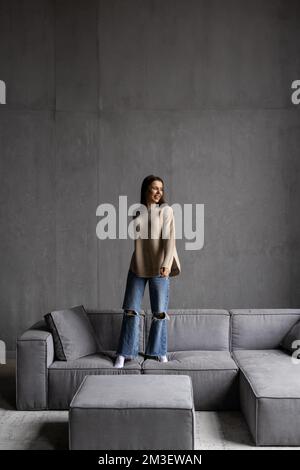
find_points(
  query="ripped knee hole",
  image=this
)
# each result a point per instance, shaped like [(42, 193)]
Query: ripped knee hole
[(160, 316), (130, 313)]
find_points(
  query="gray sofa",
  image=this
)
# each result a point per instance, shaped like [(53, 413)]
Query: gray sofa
[(269, 381), (232, 357)]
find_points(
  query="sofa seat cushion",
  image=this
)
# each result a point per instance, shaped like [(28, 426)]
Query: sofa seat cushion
[(270, 396), (214, 376), (271, 373), (64, 377), (194, 360), (95, 361)]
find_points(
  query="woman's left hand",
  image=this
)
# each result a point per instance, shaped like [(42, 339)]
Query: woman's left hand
[(164, 272)]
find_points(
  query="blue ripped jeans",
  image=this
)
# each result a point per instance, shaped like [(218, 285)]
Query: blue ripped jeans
[(159, 300)]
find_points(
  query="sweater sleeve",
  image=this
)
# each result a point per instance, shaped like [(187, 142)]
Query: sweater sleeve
[(168, 235)]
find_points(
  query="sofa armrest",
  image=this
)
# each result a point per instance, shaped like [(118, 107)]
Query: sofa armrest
[(35, 353)]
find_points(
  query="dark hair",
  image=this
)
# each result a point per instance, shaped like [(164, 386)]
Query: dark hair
[(145, 186)]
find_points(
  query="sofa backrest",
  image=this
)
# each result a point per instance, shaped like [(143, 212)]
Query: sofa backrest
[(188, 329), (261, 328), (203, 329), (107, 325), (196, 329)]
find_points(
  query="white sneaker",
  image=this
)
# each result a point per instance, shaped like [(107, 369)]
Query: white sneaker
[(163, 359), (119, 362)]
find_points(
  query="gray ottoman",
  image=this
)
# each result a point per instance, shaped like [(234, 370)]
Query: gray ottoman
[(133, 412)]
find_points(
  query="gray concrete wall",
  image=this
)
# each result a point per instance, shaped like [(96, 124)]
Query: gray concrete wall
[(101, 93)]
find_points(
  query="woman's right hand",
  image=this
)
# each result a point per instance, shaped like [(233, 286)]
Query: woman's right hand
[(164, 272)]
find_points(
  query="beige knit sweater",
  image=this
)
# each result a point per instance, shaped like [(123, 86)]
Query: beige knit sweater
[(155, 246)]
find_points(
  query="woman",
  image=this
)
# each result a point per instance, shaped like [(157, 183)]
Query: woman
[(154, 259)]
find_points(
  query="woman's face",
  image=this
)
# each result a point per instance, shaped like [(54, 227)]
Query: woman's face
[(155, 192)]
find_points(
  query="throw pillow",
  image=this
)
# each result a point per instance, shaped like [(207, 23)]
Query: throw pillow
[(72, 332)]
